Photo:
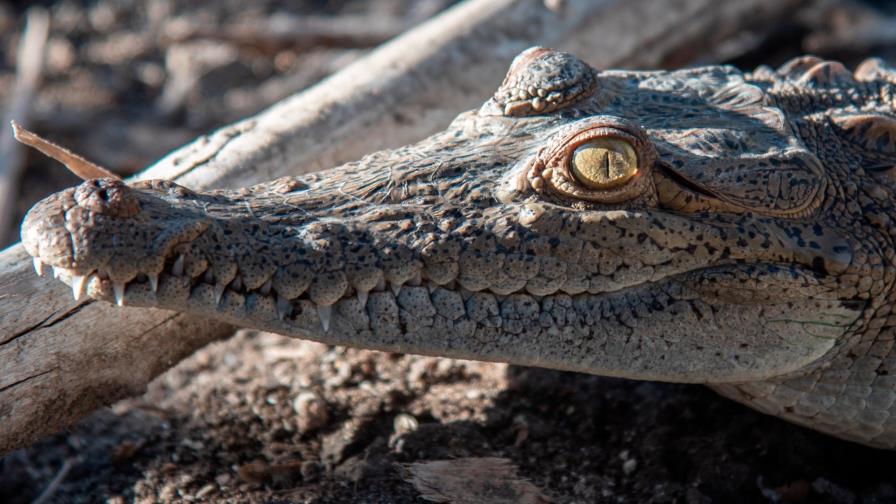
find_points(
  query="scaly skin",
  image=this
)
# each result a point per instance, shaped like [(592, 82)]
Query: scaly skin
[(749, 246)]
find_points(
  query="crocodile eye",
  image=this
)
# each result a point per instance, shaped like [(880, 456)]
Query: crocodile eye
[(604, 163), (601, 159)]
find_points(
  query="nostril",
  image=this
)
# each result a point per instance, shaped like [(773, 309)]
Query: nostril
[(107, 196)]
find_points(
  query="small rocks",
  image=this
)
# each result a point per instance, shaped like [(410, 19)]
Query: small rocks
[(629, 464), (206, 491), (404, 424), (312, 412)]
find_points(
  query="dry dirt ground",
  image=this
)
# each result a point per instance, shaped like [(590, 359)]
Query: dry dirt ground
[(263, 418)]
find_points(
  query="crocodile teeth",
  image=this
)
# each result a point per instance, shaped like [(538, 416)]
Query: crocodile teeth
[(396, 288), (57, 272), (325, 312), (284, 307), (118, 289), (38, 266), (362, 297), (178, 268), (219, 291), (265, 288), (432, 287), (153, 281), (78, 283)]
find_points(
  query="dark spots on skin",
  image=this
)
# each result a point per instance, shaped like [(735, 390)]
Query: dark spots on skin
[(818, 265)]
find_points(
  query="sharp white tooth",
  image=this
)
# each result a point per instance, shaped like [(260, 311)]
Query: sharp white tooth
[(38, 266), (178, 268), (153, 281), (219, 291), (265, 288), (284, 307), (118, 289), (57, 272), (324, 312), (396, 288), (78, 283), (362, 297)]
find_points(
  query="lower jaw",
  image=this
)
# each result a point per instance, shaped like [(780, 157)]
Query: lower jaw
[(263, 308), (450, 321), (341, 322)]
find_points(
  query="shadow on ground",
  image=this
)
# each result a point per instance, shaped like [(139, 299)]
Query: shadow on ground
[(224, 425)]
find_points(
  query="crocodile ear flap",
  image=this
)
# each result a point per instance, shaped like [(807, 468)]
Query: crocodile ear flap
[(873, 132)]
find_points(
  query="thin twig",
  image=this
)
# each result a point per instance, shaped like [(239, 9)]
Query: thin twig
[(54, 484), (30, 66), (75, 163)]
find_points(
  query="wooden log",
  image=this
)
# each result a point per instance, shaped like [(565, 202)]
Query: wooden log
[(61, 359)]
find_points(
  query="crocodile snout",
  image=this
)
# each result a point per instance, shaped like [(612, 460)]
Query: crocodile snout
[(107, 196)]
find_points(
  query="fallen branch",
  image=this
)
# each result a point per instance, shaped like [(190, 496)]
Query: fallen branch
[(60, 359), (29, 68), (284, 31)]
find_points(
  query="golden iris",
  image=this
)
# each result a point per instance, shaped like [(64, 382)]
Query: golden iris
[(604, 162)]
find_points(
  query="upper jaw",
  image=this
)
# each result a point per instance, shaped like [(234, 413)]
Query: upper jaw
[(533, 248)]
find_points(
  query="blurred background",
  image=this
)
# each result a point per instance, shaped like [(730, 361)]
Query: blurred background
[(124, 82)]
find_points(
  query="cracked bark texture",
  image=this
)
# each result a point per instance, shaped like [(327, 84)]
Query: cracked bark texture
[(61, 359)]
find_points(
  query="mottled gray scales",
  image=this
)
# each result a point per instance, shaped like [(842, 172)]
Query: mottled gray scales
[(702, 225)]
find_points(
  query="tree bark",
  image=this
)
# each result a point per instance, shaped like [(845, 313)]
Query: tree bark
[(60, 359)]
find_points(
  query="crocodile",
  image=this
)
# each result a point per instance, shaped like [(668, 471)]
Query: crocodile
[(702, 225)]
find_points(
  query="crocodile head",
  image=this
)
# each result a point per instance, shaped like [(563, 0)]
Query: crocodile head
[(701, 225)]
